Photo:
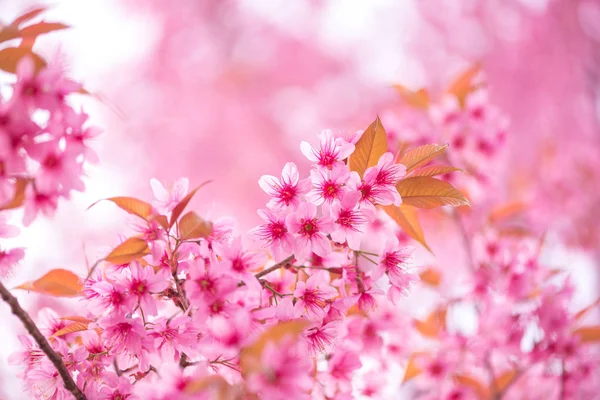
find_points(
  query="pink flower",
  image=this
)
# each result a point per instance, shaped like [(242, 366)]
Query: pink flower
[(167, 199), (273, 234), (322, 337), (240, 263), (77, 136), (328, 185), (313, 297), (310, 231), (173, 337), (285, 192), (283, 372), (109, 296), (37, 201), (7, 230), (392, 259), (143, 282), (59, 169), (122, 334), (343, 363), (386, 172), (331, 152), (208, 288), (9, 259), (349, 222)]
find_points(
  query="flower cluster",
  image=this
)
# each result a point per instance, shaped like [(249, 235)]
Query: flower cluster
[(43, 147), (196, 303)]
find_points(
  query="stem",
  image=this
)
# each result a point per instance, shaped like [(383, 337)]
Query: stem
[(275, 267), (465, 239), (42, 342)]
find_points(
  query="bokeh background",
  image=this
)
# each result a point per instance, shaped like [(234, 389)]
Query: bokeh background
[(225, 90)]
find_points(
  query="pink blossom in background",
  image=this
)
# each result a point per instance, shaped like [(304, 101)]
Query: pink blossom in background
[(395, 300)]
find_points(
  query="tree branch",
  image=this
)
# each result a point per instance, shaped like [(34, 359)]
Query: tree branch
[(284, 263), (42, 342)]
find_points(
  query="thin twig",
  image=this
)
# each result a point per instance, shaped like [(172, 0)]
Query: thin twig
[(42, 342), (275, 267), (465, 239)]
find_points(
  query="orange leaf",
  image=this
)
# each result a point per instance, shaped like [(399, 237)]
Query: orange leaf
[(131, 249), (502, 381), (10, 57), (433, 170), (19, 196), (41, 28), (250, 356), (8, 32), (191, 226), (581, 313), (371, 145), (28, 15), (131, 205), (479, 388), (506, 211), (421, 155), (77, 318), (162, 221), (427, 192), (406, 218), (197, 386), (588, 334), (463, 85), (418, 99), (434, 324), (412, 370), (57, 282), (178, 209), (74, 327), (431, 276)]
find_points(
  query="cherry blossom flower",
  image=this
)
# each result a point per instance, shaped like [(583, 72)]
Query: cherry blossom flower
[(349, 222), (167, 199), (328, 185), (273, 234), (285, 192), (9, 259), (313, 297), (143, 282), (310, 231), (331, 152), (122, 334)]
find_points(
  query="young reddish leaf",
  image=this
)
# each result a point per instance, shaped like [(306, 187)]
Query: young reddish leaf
[(8, 32), (431, 276), (434, 324), (178, 209), (19, 196), (427, 192), (414, 158), (582, 313), (10, 57), (198, 386), (463, 84), (479, 388), (162, 221), (412, 370), (131, 205), (191, 226), (406, 218), (418, 99), (28, 15), (503, 380), (250, 356), (57, 282), (72, 328), (371, 145), (131, 249), (77, 318), (506, 211), (41, 28), (433, 170), (588, 334)]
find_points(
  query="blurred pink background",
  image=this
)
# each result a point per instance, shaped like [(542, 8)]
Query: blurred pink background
[(226, 90)]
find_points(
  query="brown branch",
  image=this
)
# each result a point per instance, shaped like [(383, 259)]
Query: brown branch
[(285, 263), (42, 342)]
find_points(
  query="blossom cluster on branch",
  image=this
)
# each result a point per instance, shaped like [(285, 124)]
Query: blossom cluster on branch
[(308, 304)]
